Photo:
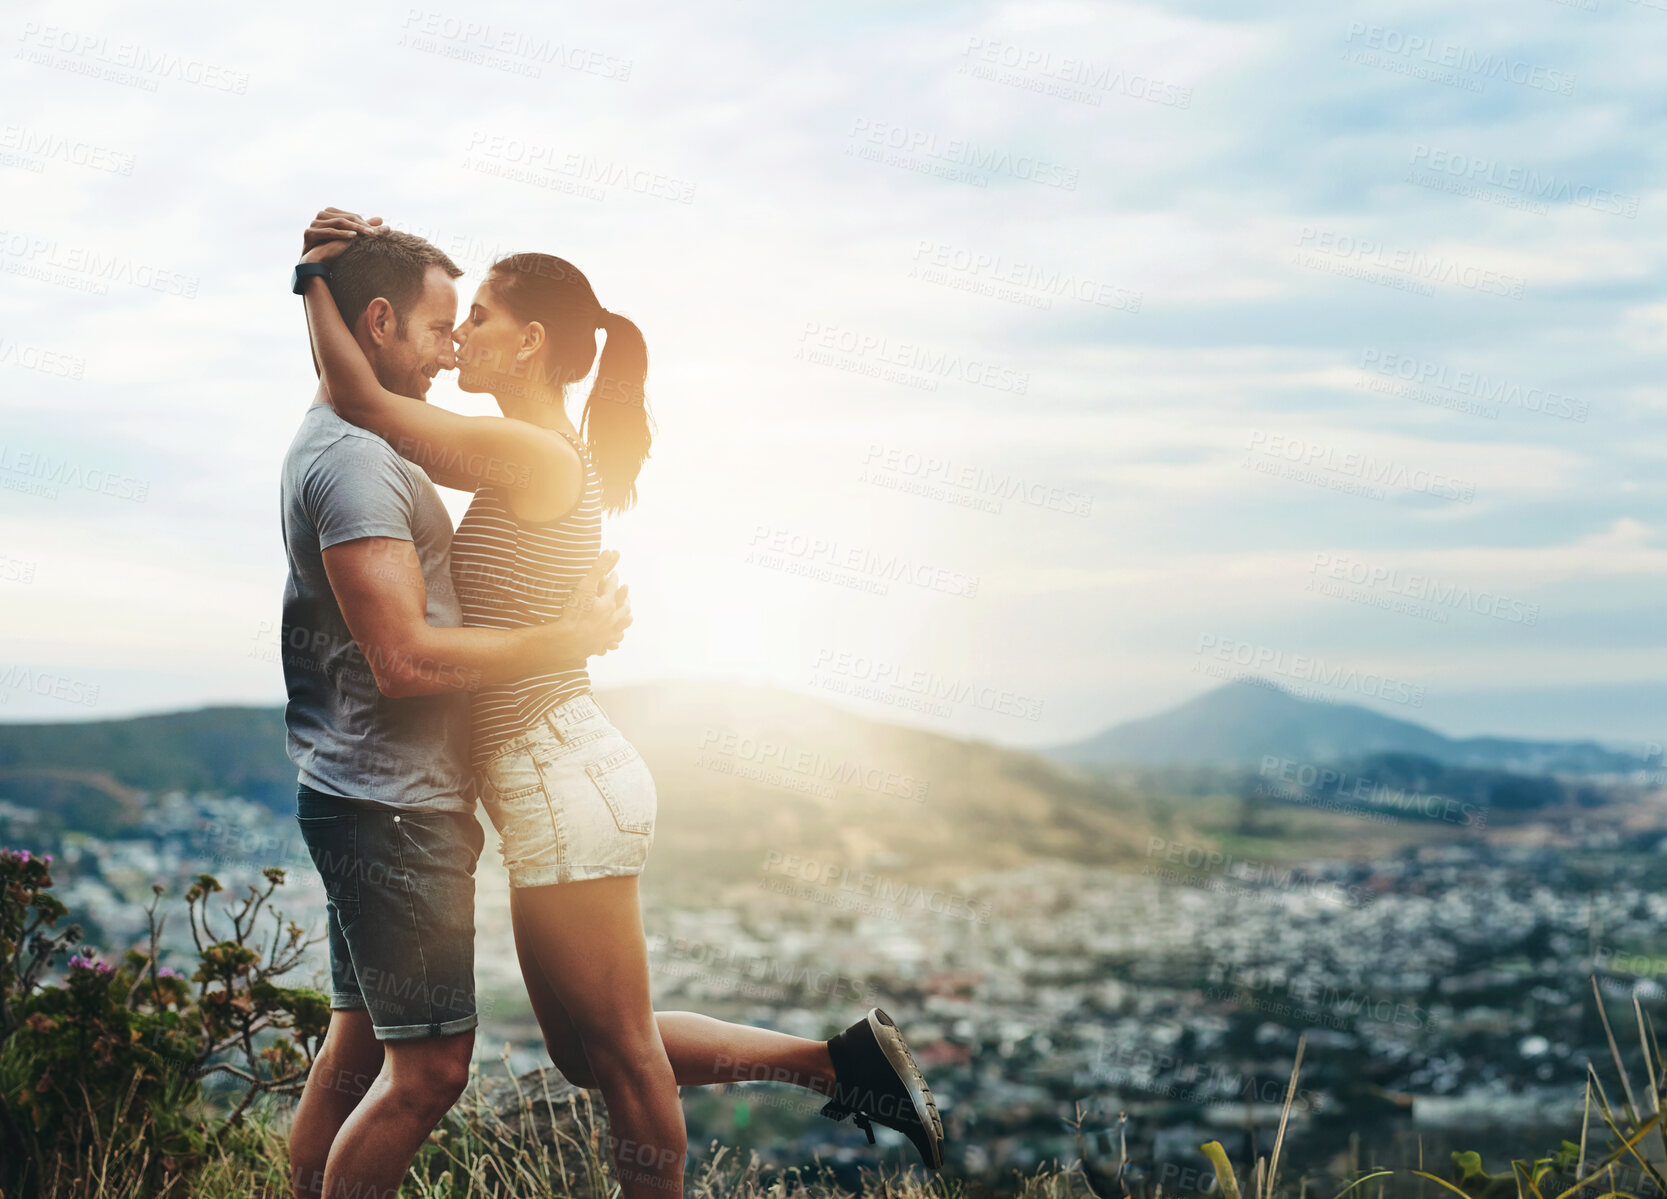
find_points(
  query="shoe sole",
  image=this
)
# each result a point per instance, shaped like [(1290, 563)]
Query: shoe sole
[(891, 1043)]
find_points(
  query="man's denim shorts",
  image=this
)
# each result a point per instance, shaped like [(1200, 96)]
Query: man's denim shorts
[(571, 799), (400, 886)]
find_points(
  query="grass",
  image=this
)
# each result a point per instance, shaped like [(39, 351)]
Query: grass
[(480, 1154)]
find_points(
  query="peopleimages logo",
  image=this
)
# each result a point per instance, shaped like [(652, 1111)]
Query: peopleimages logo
[(1271, 990), (841, 771), (46, 684), (39, 358), (1163, 1075), (17, 570), (1072, 78), (865, 678), (1438, 52), (45, 254), (939, 475), (42, 474), (1363, 255), (1620, 961), (997, 275), (875, 354), (44, 145), (550, 166), (98, 48), (1368, 469), (720, 963), (1421, 588), (1307, 668), (1472, 168), (960, 152), (1299, 779), (496, 46), (1256, 875), (819, 557), (1472, 385), (882, 889)]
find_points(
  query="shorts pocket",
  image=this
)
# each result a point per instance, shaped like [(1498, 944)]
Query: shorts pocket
[(627, 785), (512, 776), (333, 844)]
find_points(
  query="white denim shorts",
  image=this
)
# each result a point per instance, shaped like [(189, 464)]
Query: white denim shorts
[(571, 799)]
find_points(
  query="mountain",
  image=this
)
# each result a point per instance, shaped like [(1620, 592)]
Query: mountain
[(1244, 721)]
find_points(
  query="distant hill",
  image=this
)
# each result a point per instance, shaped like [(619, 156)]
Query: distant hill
[(750, 776), (741, 772), (74, 799), (231, 751), (1243, 721), (748, 770)]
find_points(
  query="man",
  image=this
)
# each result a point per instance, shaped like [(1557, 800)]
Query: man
[(379, 674)]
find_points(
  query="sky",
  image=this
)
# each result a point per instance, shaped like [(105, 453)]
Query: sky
[(1017, 368)]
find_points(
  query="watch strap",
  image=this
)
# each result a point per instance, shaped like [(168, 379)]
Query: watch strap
[(305, 271)]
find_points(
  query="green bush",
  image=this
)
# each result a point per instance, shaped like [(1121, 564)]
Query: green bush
[(119, 1054)]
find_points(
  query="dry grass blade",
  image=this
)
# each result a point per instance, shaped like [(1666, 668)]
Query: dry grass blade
[(1649, 1060), (1615, 1052), (1585, 1124), (1523, 1172), (1603, 1096), (1630, 1145), (1652, 1060), (1608, 1163), (1441, 1181), (1361, 1180), (1285, 1115)]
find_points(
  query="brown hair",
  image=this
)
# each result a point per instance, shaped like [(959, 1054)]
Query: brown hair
[(615, 424), (390, 265)]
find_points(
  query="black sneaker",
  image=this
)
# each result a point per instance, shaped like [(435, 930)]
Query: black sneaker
[(876, 1079)]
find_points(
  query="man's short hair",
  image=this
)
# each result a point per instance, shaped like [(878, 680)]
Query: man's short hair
[(390, 264)]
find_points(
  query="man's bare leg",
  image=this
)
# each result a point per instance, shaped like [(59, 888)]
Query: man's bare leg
[(347, 1062), (418, 1084)]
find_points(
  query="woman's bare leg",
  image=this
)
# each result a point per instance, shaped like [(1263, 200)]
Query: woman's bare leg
[(705, 1050), (702, 1050), (584, 942)]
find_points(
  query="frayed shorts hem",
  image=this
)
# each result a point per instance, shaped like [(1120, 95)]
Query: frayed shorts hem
[(550, 876)]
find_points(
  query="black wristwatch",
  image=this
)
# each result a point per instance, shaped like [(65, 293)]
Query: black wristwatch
[(304, 271)]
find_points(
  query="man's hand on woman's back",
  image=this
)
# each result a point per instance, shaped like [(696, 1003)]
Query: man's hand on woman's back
[(596, 615)]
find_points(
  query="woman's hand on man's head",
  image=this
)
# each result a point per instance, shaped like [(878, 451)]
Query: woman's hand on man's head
[(333, 230)]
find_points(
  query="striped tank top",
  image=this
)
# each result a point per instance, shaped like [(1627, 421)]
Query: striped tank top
[(509, 574)]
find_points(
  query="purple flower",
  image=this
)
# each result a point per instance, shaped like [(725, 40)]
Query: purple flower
[(169, 972)]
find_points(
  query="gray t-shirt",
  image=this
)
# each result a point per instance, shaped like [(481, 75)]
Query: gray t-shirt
[(341, 483)]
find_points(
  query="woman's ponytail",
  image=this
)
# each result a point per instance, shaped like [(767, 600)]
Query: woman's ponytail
[(616, 424)]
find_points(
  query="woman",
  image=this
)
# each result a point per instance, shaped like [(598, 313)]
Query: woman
[(573, 802)]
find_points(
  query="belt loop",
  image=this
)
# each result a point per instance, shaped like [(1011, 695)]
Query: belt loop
[(554, 726), (573, 712)]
